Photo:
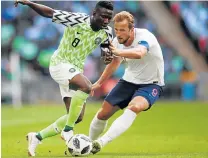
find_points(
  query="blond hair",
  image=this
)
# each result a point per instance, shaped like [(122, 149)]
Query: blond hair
[(124, 15)]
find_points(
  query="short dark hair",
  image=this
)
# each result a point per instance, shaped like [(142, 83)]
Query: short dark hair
[(105, 4)]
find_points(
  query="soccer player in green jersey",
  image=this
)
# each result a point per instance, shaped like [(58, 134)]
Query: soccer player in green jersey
[(83, 33)]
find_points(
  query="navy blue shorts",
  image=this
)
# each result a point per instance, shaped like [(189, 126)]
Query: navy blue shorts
[(124, 92)]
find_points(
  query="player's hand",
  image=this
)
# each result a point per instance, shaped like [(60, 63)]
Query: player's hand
[(108, 58), (95, 86), (24, 2), (106, 55), (113, 49)]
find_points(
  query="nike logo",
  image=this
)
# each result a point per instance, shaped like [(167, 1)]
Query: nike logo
[(79, 33)]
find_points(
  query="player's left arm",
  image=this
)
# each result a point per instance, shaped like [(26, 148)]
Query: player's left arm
[(43, 10), (132, 53)]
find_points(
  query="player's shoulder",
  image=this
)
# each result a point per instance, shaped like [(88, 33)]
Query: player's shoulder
[(143, 32)]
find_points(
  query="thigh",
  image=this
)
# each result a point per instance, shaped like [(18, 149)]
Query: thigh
[(121, 94), (150, 92)]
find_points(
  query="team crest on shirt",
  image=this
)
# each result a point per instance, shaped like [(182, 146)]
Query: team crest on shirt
[(154, 92), (72, 70), (98, 40)]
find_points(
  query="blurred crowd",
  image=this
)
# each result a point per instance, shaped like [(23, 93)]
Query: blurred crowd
[(193, 18), (35, 38)]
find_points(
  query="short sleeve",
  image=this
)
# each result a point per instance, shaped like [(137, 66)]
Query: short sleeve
[(69, 19), (147, 40), (109, 36), (145, 44)]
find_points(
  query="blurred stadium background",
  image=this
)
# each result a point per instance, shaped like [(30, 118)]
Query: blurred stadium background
[(28, 41), (34, 38)]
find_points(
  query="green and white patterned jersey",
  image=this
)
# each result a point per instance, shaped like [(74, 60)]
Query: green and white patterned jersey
[(79, 40)]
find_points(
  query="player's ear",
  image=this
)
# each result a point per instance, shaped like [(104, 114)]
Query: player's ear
[(132, 29), (94, 12)]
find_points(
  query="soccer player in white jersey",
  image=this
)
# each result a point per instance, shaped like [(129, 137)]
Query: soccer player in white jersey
[(140, 86), (83, 33)]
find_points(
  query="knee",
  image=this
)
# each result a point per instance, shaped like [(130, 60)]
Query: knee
[(87, 88), (137, 107), (103, 115)]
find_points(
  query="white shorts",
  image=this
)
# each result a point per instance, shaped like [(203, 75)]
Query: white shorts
[(62, 73)]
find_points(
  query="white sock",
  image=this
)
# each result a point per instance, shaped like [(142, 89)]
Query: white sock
[(119, 126), (97, 127)]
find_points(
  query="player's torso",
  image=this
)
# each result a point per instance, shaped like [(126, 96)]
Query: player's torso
[(148, 69), (77, 43)]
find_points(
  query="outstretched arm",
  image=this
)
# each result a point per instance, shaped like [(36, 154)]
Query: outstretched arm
[(39, 8)]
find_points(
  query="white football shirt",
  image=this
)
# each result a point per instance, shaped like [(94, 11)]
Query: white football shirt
[(150, 68)]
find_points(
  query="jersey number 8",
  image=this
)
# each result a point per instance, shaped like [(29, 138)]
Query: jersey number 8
[(75, 42)]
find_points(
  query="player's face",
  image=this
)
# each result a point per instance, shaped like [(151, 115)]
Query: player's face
[(102, 17), (122, 31)]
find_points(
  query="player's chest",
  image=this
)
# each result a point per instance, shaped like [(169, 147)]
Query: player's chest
[(87, 36)]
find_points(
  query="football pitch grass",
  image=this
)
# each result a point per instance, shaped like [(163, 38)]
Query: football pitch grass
[(168, 130)]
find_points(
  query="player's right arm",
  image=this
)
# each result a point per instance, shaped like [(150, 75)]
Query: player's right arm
[(39, 8), (109, 69)]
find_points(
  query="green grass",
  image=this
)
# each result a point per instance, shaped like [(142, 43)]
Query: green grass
[(168, 130)]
